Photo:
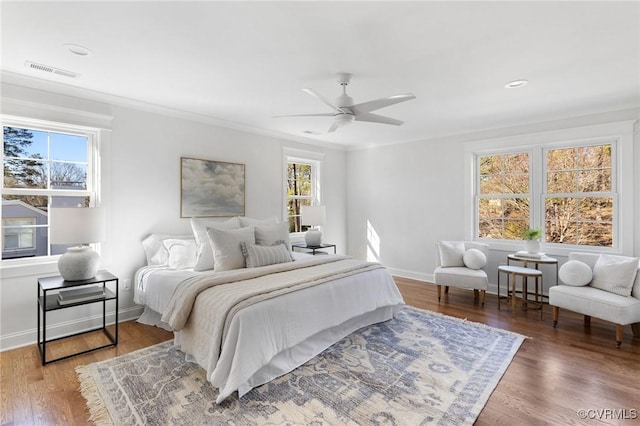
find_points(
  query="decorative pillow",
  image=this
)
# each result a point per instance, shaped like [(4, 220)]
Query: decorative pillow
[(451, 253), (204, 256), (575, 273), (268, 235), (182, 253), (248, 221), (256, 255), (155, 251), (474, 259), (615, 274), (227, 252)]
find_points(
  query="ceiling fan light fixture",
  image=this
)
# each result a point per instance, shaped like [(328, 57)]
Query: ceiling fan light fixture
[(516, 83)]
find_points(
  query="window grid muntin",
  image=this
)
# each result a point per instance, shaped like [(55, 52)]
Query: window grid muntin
[(509, 226), (87, 197)]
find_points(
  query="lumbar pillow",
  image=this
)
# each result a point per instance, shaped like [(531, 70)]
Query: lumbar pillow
[(575, 273), (182, 253), (267, 235), (615, 274), (451, 253), (256, 255), (227, 252), (204, 259), (474, 259)]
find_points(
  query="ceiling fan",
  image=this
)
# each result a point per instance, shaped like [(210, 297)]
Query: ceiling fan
[(345, 111)]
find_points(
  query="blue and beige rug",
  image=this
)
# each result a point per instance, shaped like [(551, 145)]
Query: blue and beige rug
[(417, 369)]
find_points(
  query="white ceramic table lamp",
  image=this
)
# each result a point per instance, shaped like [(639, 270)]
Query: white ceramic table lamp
[(77, 226), (313, 216)]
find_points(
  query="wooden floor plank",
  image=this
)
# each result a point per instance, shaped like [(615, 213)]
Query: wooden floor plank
[(556, 372)]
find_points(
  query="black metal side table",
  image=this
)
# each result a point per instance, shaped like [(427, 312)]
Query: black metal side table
[(313, 249), (48, 289)]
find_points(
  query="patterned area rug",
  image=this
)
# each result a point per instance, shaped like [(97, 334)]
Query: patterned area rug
[(417, 369)]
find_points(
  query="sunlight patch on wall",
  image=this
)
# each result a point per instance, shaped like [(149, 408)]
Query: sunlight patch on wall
[(373, 244)]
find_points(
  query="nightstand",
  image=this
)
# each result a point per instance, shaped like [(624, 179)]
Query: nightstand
[(313, 249), (48, 289)]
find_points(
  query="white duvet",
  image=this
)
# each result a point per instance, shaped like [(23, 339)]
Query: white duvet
[(273, 336)]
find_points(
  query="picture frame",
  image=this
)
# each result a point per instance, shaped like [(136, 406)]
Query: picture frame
[(210, 188)]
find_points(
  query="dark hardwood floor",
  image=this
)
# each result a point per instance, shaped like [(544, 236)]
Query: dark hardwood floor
[(556, 372)]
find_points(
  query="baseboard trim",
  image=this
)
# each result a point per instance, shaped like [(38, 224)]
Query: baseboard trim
[(66, 328)]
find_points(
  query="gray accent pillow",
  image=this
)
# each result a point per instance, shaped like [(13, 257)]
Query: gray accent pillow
[(267, 235), (256, 255), (227, 253)]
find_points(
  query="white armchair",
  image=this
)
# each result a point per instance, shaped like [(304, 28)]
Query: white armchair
[(459, 264), (600, 291)]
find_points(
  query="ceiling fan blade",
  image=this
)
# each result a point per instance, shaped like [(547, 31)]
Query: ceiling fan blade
[(322, 99), (369, 106), (322, 114), (333, 127), (375, 118)]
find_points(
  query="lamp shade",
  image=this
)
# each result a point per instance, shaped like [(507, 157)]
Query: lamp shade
[(313, 215), (76, 225)]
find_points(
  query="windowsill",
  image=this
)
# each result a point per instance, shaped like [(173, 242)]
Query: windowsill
[(28, 267), (550, 250)]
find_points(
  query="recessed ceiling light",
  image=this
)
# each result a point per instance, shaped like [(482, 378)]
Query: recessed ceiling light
[(76, 49), (515, 84)]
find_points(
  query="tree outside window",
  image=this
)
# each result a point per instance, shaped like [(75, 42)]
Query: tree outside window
[(579, 199), (300, 192), (503, 201), (577, 195), (42, 168)]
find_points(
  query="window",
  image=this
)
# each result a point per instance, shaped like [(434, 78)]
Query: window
[(579, 198), (18, 233), (573, 202), (44, 165), (302, 189), (504, 197)]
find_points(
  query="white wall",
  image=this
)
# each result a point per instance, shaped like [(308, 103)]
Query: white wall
[(141, 188), (413, 194)]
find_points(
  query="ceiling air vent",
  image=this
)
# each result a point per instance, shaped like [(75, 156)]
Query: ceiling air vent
[(50, 70)]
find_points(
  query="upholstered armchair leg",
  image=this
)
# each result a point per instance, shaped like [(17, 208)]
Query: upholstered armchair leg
[(555, 313), (587, 320), (482, 295), (619, 334), (446, 289), (636, 329), (439, 289), (475, 293)]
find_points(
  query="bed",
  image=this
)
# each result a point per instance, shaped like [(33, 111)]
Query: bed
[(247, 326)]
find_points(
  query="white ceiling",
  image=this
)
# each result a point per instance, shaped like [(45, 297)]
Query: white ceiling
[(244, 62)]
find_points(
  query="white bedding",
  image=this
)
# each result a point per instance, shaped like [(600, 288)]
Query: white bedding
[(274, 336)]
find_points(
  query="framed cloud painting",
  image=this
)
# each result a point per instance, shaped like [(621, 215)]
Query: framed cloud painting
[(211, 188)]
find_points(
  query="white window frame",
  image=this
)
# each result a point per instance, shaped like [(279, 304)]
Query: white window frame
[(478, 196), (315, 160), (620, 135), (93, 170), (20, 232)]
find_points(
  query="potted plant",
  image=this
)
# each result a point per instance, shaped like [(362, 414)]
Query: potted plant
[(531, 238)]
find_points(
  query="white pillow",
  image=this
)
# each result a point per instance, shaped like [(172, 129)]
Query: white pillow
[(615, 274), (575, 273), (255, 255), (204, 256), (268, 235), (451, 253), (155, 252), (474, 259), (182, 252), (227, 252), (248, 221)]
